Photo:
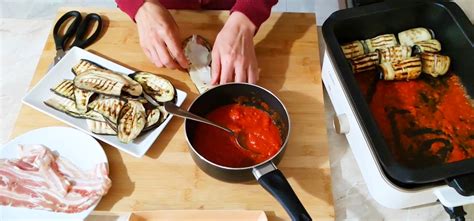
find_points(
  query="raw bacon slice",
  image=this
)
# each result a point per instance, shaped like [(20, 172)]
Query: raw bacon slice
[(40, 179)]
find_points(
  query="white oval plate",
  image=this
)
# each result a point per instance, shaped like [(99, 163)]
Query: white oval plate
[(82, 150)]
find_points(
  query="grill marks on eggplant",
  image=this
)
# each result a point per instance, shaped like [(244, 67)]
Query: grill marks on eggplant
[(85, 65), (353, 49), (398, 61), (401, 70), (395, 53), (113, 112), (69, 107), (132, 87), (365, 62), (411, 36), (109, 107), (429, 46), (158, 88), (381, 41), (65, 89), (82, 99), (153, 117), (131, 121), (435, 64), (100, 81), (100, 127)]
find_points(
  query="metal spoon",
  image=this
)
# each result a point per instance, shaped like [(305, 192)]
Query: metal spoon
[(175, 110)]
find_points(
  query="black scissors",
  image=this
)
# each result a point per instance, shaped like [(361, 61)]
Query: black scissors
[(77, 30)]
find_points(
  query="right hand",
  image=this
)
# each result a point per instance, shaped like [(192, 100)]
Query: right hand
[(159, 36)]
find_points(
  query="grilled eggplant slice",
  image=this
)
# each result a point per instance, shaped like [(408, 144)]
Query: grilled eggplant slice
[(435, 64), (428, 46), (407, 69), (93, 115), (354, 49), (198, 52), (64, 105), (411, 36), (153, 117), (164, 114), (131, 121), (381, 41), (82, 99), (109, 107), (64, 89), (85, 65), (100, 127), (69, 107), (395, 53), (132, 87), (101, 81), (158, 88)]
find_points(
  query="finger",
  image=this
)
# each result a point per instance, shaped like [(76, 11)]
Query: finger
[(240, 74), (227, 72), (215, 67), (177, 51), (252, 74), (154, 58), (164, 56)]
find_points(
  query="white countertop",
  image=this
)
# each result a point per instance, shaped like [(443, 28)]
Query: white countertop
[(24, 28)]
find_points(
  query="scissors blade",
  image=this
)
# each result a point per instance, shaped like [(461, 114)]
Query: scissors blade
[(59, 54)]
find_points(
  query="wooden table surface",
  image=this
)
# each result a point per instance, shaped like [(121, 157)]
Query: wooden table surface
[(167, 177)]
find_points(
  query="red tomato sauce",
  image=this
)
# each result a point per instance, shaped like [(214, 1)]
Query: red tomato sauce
[(425, 121), (260, 133)]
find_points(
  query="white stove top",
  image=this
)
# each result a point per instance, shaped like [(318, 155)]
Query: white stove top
[(380, 187)]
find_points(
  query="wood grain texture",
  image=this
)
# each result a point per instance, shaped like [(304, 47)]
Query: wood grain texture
[(167, 177)]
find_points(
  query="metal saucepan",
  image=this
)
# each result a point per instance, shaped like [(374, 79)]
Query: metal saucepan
[(266, 172)]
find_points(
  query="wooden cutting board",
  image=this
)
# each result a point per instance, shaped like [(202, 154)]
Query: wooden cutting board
[(167, 178), (180, 215)]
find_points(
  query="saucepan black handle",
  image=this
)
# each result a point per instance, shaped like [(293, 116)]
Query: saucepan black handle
[(276, 184)]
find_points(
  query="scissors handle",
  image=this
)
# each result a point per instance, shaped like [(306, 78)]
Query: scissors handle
[(59, 40), (80, 40)]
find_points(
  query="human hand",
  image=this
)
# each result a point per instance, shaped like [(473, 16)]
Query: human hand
[(233, 53), (159, 36)]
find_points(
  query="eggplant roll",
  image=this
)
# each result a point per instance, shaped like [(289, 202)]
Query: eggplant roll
[(407, 69), (395, 53), (429, 46), (354, 49), (381, 41), (435, 64), (131, 121), (365, 62), (411, 36)]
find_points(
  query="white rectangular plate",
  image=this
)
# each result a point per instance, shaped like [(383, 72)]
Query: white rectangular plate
[(62, 70)]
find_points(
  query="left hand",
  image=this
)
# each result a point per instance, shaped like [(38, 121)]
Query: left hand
[(233, 53)]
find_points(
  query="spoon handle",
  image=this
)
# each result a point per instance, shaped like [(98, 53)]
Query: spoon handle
[(175, 110)]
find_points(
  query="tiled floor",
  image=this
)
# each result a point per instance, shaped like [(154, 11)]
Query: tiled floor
[(24, 26)]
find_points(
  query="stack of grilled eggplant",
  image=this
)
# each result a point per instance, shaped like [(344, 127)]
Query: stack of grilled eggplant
[(113, 103), (416, 53)]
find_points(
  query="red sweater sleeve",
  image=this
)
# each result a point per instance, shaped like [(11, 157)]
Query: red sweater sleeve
[(130, 6), (257, 11)]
